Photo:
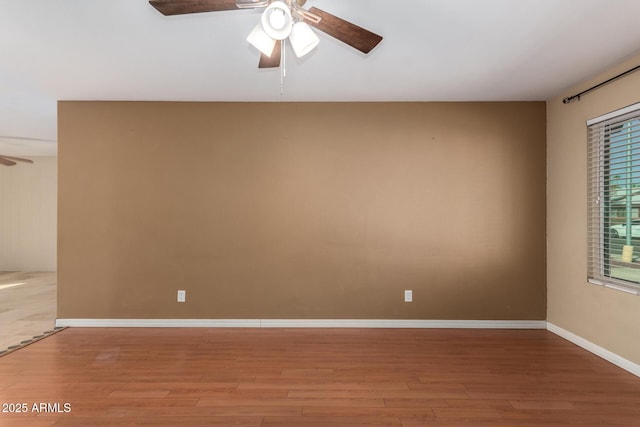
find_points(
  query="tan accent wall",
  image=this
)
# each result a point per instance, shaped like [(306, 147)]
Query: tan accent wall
[(28, 215), (313, 210), (603, 316)]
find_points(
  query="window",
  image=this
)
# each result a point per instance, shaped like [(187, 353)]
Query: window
[(614, 200)]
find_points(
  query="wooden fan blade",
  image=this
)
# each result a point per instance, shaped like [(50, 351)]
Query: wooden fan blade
[(17, 159), (272, 61), (26, 138), (181, 7), (351, 34), (6, 162)]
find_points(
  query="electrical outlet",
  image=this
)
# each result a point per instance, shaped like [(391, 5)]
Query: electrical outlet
[(408, 296), (182, 296)]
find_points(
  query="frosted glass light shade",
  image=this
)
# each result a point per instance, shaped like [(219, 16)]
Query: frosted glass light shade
[(277, 21), (303, 39), (261, 40)]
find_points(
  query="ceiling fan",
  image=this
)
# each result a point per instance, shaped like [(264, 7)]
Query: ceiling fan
[(280, 20), (11, 161)]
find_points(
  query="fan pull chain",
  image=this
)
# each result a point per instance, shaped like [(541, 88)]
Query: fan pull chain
[(283, 69)]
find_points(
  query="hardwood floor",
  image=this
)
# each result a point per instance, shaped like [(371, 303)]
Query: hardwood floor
[(27, 306), (314, 377)]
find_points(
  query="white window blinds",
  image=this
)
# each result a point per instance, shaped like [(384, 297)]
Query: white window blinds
[(614, 200)]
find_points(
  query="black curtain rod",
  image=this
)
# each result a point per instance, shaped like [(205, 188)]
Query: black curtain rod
[(577, 96)]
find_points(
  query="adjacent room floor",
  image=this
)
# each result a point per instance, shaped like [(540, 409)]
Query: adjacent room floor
[(27, 306), (313, 377)]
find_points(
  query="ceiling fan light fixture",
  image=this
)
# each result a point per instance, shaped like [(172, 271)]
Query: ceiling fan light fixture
[(261, 40), (303, 39), (277, 21)]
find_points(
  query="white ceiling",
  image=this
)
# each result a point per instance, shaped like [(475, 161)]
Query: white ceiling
[(433, 50)]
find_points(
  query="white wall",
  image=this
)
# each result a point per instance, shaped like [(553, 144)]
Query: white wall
[(28, 215)]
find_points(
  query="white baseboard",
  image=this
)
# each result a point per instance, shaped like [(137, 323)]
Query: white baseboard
[(399, 323), (302, 323), (159, 323), (607, 355)]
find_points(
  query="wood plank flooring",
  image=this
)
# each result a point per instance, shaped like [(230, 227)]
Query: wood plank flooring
[(314, 377), (27, 306)]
